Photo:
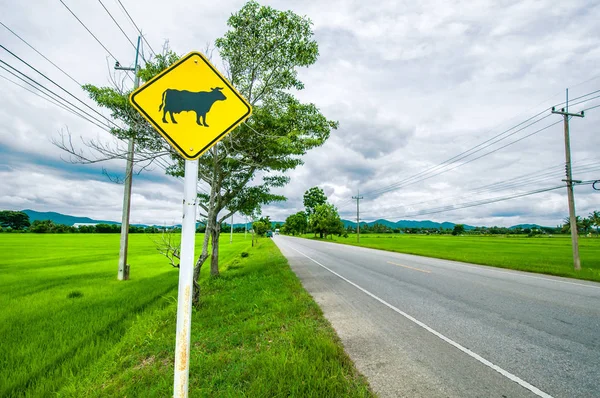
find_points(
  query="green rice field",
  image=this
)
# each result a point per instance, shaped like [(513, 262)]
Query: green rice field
[(546, 255), (70, 329)]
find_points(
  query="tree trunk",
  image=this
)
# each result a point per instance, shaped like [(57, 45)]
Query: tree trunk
[(210, 223), (198, 267), (214, 259)]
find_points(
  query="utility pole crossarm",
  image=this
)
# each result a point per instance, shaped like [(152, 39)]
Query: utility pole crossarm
[(566, 113)]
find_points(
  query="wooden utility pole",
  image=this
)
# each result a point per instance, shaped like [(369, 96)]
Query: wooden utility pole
[(123, 273), (572, 217), (358, 198)]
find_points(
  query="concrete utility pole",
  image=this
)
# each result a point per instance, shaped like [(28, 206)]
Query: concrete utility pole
[(231, 235), (572, 217), (358, 198), (123, 274)]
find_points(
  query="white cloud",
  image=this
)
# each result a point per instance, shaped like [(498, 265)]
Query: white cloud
[(412, 86)]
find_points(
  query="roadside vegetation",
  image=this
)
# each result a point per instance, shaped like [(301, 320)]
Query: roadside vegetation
[(525, 248), (70, 329)]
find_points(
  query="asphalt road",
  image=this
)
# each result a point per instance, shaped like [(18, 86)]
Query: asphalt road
[(424, 327)]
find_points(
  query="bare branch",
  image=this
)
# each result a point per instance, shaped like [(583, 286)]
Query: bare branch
[(169, 247), (112, 178)]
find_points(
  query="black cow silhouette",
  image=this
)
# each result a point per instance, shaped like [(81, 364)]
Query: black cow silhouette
[(176, 101)]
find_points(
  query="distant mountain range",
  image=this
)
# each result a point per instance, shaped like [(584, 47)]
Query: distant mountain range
[(59, 218), (407, 224)]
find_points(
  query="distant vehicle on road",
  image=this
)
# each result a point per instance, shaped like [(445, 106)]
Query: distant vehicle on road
[(277, 231), (269, 234)]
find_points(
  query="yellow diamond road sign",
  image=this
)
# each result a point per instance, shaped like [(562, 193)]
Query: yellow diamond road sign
[(191, 104)]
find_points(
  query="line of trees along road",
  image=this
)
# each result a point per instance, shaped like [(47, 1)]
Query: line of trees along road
[(319, 217), (18, 221), (309, 220)]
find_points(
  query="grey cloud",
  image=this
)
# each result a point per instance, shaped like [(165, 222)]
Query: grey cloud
[(411, 85)]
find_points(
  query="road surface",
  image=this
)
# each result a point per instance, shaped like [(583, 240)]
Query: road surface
[(424, 327)]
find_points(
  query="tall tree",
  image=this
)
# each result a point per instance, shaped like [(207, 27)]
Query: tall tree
[(458, 229), (14, 219), (326, 220), (586, 224), (313, 198), (595, 218), (566, 228), (296, 223), (262, 52)]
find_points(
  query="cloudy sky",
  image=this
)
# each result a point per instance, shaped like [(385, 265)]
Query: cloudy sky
[(420, 90)]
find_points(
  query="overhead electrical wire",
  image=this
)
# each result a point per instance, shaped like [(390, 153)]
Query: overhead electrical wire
[(513, 183), (56, 101), (593, 107), (442, 167), (82, 113), (443, 209), (53, 101), (438, 169), (118, 26), (59, 86), (89, 31), (46, 98), (136, 27), (42, 55), (465, 154), (53, 93)]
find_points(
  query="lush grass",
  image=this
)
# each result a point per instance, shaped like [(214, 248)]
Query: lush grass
[(547, 255), (69, 328), (257, 334)]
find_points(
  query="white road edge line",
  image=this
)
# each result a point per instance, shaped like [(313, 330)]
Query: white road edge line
[(470, 353)]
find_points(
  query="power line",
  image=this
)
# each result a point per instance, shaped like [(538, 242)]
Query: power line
[(52, 92), (413, 179), (89, 31), (136, 27), (465, 154), (593, 107), (507, 184), (59, 86), (42, 55), (454, 159), (118, 26), (48, 98), (443, 209), (512, 183)]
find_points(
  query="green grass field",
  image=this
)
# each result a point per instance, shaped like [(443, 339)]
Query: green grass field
[(547, 255), (70, 329)]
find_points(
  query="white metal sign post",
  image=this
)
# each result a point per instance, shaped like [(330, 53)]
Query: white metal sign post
[(186, 274), (192, 90)]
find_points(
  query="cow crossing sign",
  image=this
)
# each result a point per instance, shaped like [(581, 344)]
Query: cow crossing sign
[(191, 105)]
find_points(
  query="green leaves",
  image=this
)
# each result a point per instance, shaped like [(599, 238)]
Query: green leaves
[(312, 198), (326, 220), (296, 224), (16, 220), (264, 47), (130, 122), (262, 51)]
